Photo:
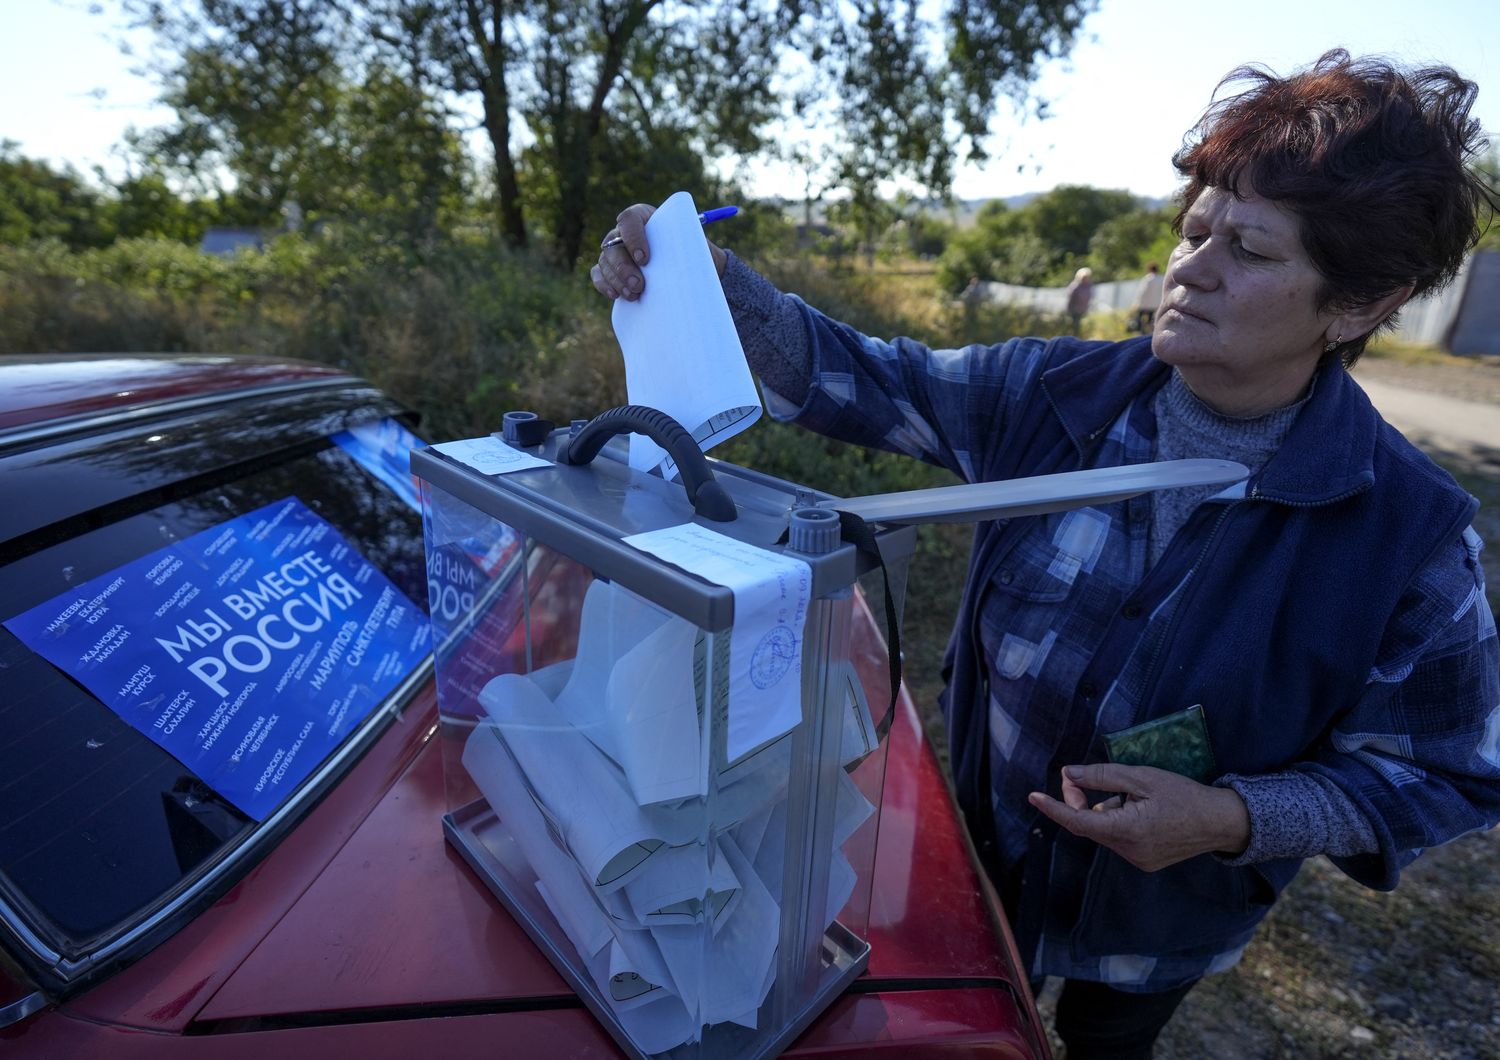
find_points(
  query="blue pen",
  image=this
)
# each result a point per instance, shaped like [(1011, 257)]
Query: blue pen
[(718, 213)]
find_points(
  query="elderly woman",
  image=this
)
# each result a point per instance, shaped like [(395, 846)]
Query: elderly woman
[(1327, 617)]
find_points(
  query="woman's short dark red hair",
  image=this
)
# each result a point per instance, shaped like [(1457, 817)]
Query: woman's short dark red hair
[(1373, 159)]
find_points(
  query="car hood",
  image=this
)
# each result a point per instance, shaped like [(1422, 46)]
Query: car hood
[(366, 907), (398, 920)]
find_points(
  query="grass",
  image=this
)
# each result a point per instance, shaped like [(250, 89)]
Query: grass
[(1340, 970), (1388, 348)]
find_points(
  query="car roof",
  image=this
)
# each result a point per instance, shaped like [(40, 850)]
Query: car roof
[(44, 388), (105, 431)]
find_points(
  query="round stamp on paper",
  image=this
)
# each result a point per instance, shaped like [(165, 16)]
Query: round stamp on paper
[(773, 656)]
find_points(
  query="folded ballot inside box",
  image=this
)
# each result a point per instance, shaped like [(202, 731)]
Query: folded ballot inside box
[(659, 753)]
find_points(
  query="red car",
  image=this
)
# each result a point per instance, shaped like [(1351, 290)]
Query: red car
[(143, 913)]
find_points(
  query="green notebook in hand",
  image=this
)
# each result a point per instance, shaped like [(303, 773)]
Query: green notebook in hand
[(1177, 743)]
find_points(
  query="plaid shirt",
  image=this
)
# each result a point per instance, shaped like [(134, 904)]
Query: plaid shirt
[(1427, 724)]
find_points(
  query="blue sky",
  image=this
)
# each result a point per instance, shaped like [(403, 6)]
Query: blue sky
[(1137, 79)]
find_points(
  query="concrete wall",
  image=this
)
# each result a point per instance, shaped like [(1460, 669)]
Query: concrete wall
[(1475, 325)]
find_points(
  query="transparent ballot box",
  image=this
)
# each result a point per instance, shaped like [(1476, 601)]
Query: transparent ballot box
[(663, 707)]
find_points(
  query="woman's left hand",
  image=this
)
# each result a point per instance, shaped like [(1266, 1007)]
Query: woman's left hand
[(1158, 819)]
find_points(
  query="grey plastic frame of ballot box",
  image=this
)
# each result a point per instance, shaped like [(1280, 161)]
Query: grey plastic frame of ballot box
[(581, 512)]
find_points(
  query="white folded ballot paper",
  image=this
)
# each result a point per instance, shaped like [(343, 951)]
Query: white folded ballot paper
[(682, 354), (563, 887), (583, 795), (631, 691), (635, 691), (771, 594), (679, 886), (665, 876)]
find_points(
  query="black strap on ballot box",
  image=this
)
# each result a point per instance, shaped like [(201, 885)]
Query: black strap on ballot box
[(861, 535)]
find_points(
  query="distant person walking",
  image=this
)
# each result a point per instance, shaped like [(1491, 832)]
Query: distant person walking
[(970, 297), (1147, 298), (1080, 293)]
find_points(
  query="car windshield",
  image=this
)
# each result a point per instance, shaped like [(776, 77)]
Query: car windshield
[(100, 823)]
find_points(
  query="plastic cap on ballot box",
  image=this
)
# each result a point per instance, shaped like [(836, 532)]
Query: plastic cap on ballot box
[(813, 531)]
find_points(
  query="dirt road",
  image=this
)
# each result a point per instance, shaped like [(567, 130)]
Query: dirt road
[(1419, 413)]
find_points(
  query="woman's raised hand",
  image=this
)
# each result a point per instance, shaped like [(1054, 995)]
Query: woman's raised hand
[(624, 250)]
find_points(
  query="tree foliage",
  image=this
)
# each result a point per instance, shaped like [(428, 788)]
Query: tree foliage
[(266, 93), (1042, 242), (1067, 217), (145, 205), (254, 87), (1123, 245), (924, 236), (38, 201), (567, 90)]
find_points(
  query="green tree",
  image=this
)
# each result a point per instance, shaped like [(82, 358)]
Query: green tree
[(867, 214), (913, 88), (924, 235), (38, 201), (1040, 243), (1029, 260), (630, 168), (397, 164), (910, 88), (1067, 217), (972, 251), (1122, 245), (270, 92), (254, 87), (146, 205)]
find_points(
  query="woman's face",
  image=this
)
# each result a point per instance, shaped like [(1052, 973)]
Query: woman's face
[(1239, 315)]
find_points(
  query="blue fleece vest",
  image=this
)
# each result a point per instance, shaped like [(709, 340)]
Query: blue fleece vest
[(1275, 635)]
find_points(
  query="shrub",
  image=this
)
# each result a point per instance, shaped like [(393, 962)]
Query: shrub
[(462, 332)]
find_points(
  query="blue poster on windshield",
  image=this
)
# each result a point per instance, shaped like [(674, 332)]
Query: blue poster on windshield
[(384, 450), (247, 651)]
